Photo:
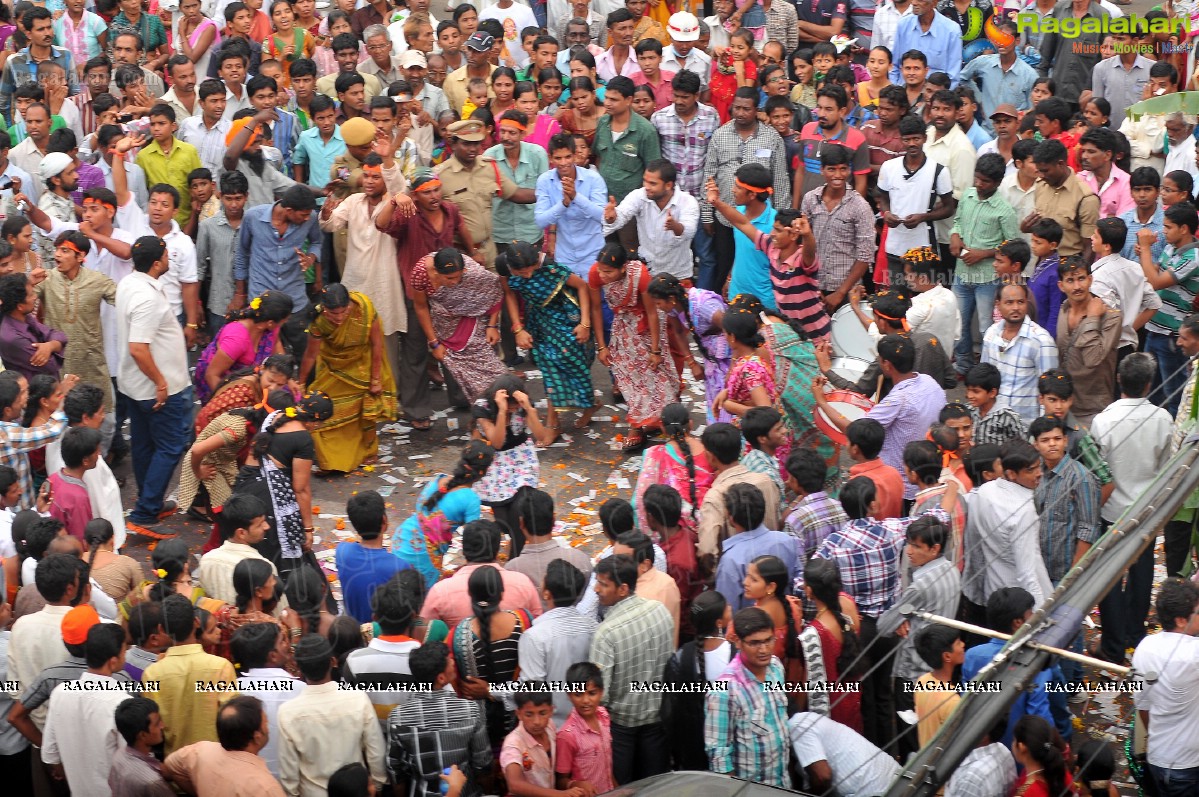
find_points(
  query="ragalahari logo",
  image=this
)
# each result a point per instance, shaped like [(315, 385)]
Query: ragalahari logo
[(1071, 28)]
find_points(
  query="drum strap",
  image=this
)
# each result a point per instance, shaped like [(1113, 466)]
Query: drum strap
[(932, 203)]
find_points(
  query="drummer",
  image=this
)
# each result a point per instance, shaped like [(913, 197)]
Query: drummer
[(890, 310)]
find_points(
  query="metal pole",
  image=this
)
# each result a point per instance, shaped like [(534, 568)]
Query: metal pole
[(1098, 664)]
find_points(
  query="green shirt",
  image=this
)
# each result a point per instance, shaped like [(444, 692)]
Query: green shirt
[(983, 224), (510, 221), (171, 169), (622, 162)]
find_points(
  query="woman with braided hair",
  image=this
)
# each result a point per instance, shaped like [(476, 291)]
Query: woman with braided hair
[(679, 463), (700, 313), (750, 381), (249, 336), (446, 503), (829, 643), (702, 659)]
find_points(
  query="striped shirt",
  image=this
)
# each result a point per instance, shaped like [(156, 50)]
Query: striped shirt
[(844, 235), (1067, 500), (866, 552), (633, 644), (1000, 425), (814, 517), (557, 639), (744, 726), (936, 588), (431, 732), (983, 224), (381, 662), (986, 772), (782, 25), (1020, 362), (685, 144), (1177, 299), (796, 289)]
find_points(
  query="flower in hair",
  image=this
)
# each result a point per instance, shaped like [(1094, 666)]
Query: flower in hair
[(161, 573), (290, 412), (256, 303)]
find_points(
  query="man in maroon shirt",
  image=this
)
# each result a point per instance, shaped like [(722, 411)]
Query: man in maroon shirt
[(436, 225)]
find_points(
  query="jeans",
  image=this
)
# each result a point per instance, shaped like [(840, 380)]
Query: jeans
[(215, 323), (1175, 782), (705, 257), (118, 444), (159, 439), (638, 752), (976, 303), (1171, 370), (1126, 605)]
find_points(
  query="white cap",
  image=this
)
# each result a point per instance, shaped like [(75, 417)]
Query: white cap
[(683, 27), (53, 165), (411, 58)]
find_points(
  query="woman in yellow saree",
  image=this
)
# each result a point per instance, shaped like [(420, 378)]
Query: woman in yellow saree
[(345, 345)]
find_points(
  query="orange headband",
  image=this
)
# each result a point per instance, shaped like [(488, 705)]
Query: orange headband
[(515, 125), (93, 201), (69, 245), (429, 185), (372, 169), (751, 188), (903, 321)]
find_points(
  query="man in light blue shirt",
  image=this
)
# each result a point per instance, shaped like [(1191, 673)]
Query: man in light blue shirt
[(319, 145), (523, 164), (575, 207), (276, 244), (1000, 79), (933, 34), (748, 539)]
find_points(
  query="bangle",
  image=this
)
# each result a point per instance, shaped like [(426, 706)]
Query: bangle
[(434, 345), (517, 330), (309, 528), (493, 326), (602, 348)]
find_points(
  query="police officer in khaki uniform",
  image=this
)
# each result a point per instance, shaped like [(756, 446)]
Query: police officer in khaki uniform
[(470, 180)]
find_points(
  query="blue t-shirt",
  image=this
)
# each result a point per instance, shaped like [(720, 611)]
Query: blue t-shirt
[(361, 570), (751, 268), (1035, 701)]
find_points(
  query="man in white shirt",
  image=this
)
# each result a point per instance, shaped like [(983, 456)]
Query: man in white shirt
[(349, 727), (666, 220), (153, 376), (261, 650), (1121, 284), (206, 131), (886, 20), (1168, 708), (682, 53), (560, 637), (1134, 436), (81, 737), (934, 307), (242, 523), (838, 758)]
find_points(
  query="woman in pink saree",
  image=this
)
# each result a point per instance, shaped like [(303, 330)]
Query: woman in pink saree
[(677, 463)]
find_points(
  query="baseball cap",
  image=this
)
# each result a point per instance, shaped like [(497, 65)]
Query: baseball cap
[(1007, 109), (357, 131), (480, 42), (411, 58), (77, 622), (683, 27), (53, 165), (468, 129)]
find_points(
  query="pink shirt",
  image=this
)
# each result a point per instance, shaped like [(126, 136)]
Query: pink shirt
[(449, 600), (235, 341), (1115, 196), (71, 503), (521, 748), (585, 754), (663, 92)]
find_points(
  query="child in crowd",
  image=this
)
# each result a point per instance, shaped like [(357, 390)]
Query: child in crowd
[(1055, 393), (585, 740), (824, 58), (780, 114), (1042, 89), (763, 429), (664, 512), (528, 753), (942, 649), (983, 464), (80, 450), (992, 424), (476, 96), (1011, 258), (922, 466), (814, 514), (866, 437)]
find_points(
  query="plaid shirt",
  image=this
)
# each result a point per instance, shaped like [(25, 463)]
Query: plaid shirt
[(20, 69), (745, 727), (633, 643), (813, 518), (729, 151), (685, 144), (936, 587), (866, 552), (1020, 362), (986, 772), (1000, 425), (1067, 499), (431, 731), (17, 441), (844, 235), (782, 25)]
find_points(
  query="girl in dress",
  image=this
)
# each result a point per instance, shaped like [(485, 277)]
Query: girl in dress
[(581, 114), (289, 40), (549, 90), (879, 67), (767, 584), (700, 313), (750, 381), (731, 70), (638, 340), (506, 419), (196, 36), (446, 503)]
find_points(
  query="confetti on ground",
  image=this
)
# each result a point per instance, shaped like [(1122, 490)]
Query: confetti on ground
[(578, 477), (421, 456), (387, 477)]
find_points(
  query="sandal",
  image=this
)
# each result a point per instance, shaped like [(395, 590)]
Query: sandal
[(634, 442)]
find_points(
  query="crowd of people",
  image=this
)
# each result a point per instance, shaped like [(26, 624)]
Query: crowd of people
[(257, 235)]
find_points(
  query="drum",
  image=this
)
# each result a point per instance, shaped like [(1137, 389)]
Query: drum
[(849, 337), (851, 405), (850, 368)]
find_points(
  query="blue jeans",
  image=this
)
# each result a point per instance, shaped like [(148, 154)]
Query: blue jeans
[(159, 439), (1171, 370), (1175, 782), (705, 271), (976, 303)]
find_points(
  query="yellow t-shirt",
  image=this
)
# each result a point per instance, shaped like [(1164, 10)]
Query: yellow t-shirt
[(933, 706)]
